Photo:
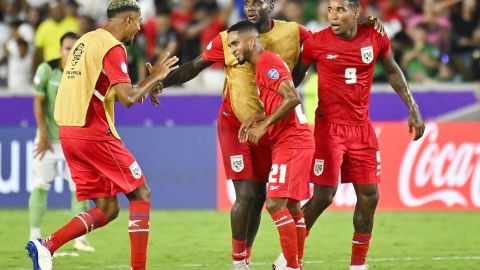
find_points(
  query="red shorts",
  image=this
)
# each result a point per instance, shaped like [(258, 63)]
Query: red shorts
[(242, 160), (346, 153), (289, 177), (101, 168)]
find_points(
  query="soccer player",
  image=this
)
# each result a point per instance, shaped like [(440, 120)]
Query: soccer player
[(101, 166), (291, 139), (246, 164), (346, 144), (48, 151)]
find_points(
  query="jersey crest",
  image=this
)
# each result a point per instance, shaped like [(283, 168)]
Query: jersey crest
[(367, 54), (237, 163), (273, 74), (318, 166)]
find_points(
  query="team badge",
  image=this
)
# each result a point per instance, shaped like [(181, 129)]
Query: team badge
[(318, 166), (273, 74), (123, 66), (135, 170), (367, 54), (236, 163)]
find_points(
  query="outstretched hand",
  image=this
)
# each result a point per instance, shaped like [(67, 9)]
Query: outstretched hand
[(162, 68)]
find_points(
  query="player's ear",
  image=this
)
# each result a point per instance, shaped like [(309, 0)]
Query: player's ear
[(356, 14), (271, 6)]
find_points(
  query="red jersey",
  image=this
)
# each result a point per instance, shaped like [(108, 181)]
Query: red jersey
[(292, 131), (96, 125), (214, 53), (345, 72)]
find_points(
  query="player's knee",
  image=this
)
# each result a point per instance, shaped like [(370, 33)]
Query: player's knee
[(245, 198), (322, 200), (273, 206), (113, 212), (370, 198)]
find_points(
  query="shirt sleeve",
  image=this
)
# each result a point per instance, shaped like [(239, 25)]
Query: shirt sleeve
[(115, 65), (214, 51), (384, 45), (307, 51), (40, 80), (305, 33), (274, 71)]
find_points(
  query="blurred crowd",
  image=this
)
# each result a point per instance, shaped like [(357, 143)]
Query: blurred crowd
[(432, 40)]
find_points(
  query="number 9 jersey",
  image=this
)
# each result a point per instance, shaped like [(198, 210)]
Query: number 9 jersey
[(345, 72)]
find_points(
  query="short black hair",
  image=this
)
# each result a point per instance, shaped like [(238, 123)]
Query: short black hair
[(70, 35), (116, 7), (243, 26)]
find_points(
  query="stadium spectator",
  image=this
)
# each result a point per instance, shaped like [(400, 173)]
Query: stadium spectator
[(292, 140), (19, 65), (293, 10), (161, 37), (86, 24), (48, 151), (436, 23), (421, 61), (182, 15), (101, 166), (320, 22), (346, 144), (50, 31), (465, 18)]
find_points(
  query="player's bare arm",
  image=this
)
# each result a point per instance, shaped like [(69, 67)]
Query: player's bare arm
[(251, 122), (186, 72), (43, 145), (291, 99), (183, 74), (128, 94), (399, 83), (299, 72)]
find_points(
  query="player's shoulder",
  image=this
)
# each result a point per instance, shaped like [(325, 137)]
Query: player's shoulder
[(368, 30), (268, 57), (319, 37), (53, 64)]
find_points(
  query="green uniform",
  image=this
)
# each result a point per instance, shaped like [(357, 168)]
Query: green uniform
[(45, 84)]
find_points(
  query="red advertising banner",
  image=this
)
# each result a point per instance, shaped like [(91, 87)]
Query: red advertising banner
[(439, 172)]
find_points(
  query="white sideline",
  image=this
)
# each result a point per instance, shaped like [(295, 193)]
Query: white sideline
[(378, 260)]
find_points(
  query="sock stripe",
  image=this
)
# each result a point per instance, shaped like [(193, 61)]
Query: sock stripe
[(140, 215), (84, 222), (138, 230), (284, 223)]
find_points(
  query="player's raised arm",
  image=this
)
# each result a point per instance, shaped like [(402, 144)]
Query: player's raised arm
[(128, 94), (186, 72), (399, 83)]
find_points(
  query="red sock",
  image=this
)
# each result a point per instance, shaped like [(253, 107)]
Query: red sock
[(239, 252), (81, 224), (360, 245), (138, 229), (249, 255), (288, 236), (301, 235)]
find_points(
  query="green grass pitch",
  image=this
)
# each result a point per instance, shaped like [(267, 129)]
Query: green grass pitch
[(201, 240)]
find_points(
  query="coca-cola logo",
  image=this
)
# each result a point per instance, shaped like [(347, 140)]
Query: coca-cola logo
[(433, 171)]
